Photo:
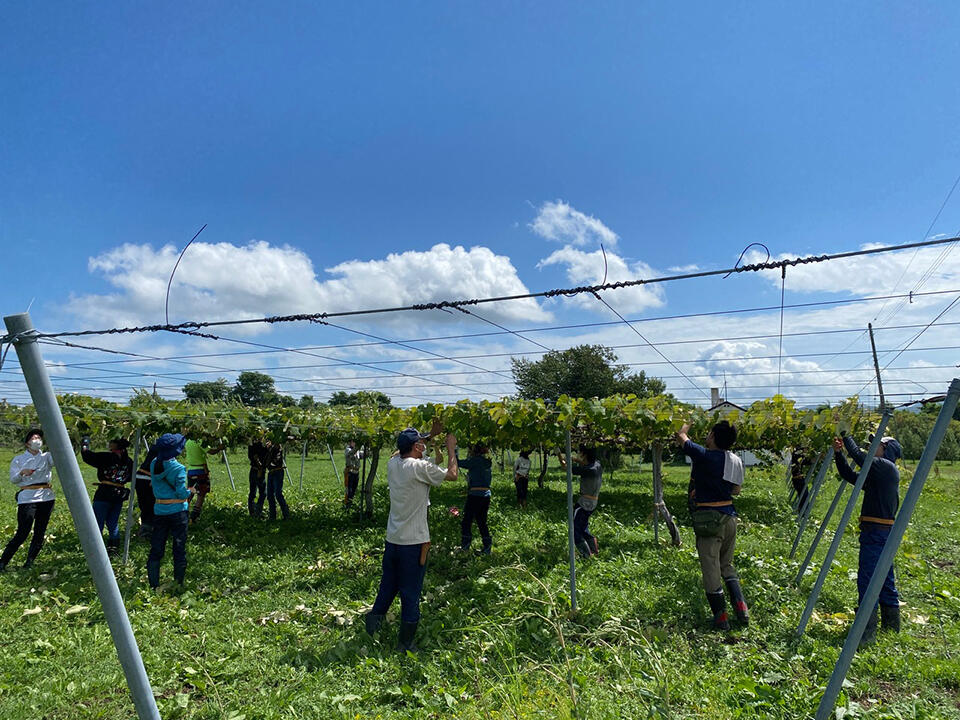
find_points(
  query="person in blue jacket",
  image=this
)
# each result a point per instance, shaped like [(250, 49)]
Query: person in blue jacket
[(479, 476), (168, 478), (881, 499)]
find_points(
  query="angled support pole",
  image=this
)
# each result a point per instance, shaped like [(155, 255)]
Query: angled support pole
[(131, 499), (44, 399), (892, 544), (229, 471), (844, 520), (811, 499), (806, 483)]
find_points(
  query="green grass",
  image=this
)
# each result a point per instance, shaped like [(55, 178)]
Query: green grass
[(270, 623)]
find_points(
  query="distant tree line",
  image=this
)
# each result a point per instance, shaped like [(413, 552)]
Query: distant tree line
[(257, 389)]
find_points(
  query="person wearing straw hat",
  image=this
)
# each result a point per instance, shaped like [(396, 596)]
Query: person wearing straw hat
[(168, 478), (881, 499), (30, 472), (410, 475)]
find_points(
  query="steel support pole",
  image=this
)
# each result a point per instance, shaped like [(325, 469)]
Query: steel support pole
[(657, 460), (229, 472), (334, 463), (303, 459), (131, 499), (573, 556), (890, 547), (71, 482), (806, 483), (844, 520), (811, 498), (841, 488)]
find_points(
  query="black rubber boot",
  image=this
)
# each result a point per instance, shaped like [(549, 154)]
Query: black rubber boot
[(487, 547), (718, 606), (738, 601), (890, 618), (28, 564), (113, 546), (373, 623), (870, 631), (405, 638)]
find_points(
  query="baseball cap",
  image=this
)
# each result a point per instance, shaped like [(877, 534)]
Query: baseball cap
[(892, 450), (408, 438)]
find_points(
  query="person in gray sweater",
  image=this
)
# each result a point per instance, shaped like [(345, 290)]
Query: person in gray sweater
[(588, 468)]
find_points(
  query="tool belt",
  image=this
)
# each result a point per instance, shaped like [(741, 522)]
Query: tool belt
[(875, 520), (477, 489), (588, 497), (108, 483), (708, 522), (720, 503), (41, 486), (169, 501)]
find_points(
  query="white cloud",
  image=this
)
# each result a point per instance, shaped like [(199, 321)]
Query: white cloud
[(222, 281), (562, 223), (587, 268)]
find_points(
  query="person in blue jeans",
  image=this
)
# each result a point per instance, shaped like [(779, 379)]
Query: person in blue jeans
[(275, 470), (114, 472), (588, 468), (410, 475), (881, 499), (168, 478), (477, 506)]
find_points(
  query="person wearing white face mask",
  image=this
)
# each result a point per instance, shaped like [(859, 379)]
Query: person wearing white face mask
[(30, 472)]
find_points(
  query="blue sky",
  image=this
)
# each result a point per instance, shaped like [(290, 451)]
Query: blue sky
[(332, 136)]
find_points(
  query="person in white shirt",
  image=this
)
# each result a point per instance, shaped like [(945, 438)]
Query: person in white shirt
[(30, 472), (521, 476), (410, 476)]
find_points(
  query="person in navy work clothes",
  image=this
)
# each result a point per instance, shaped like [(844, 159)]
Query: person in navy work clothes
[(479, 475), (716, 475), (881, 499)]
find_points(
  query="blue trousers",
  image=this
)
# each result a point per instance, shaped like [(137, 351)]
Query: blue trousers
[(173, 526), (403, 575), (275, 494), (872, 541), (108, 513)]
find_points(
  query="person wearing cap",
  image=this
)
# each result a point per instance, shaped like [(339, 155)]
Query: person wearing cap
[(114, 472), (590, 471), (410, 475), (168, 478), (477, 506), (716, 477), (881, 499), (30, 472)]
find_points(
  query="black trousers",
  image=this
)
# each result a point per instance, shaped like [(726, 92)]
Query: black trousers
[(35, 515), (353, 480), (145, 498), (522, 483), (477, 508), (258, 486)]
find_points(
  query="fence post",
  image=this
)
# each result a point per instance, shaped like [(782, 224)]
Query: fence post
[(892, 544), (35, 374), (656, 458), (806, 484), (844, 519), (303, 459), (573, 558), (333, 462), (811, 498), (132, 498)]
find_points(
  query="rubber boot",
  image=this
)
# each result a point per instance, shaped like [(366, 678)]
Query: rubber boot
[(195, 515), (738, 601), (113, 546), (405, 638), (718, 606), (153, 573), (145, 532), (890, 618), (870, 631), (373, 622), (28, 564), (487, 547)]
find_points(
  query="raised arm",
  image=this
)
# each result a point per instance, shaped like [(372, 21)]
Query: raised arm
[(855, 452), (452, 465)]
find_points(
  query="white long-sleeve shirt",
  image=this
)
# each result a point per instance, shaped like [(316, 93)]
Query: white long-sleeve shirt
[(521, 466), (42, 465), (410, 480)]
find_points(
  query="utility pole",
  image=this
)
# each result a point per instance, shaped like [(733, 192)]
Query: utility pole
[(876, 366)]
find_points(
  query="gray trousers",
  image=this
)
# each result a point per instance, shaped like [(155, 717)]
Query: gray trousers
[(716, 556)]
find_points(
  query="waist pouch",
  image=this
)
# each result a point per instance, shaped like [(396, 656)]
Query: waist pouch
[(708, 523)]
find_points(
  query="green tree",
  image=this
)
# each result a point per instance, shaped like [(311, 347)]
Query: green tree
[(362, 397), (255, 388), (306, 402), (583, 371), (211, 391)]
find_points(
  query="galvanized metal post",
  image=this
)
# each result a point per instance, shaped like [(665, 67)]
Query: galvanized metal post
[(841, 488), (872, 594), (573, 556), (844, 519), (131, 499), (657, 460), (806, 483), (333, 462), (811, 498), (876, 367), (71, 481), (303, 459), (227, 463)]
